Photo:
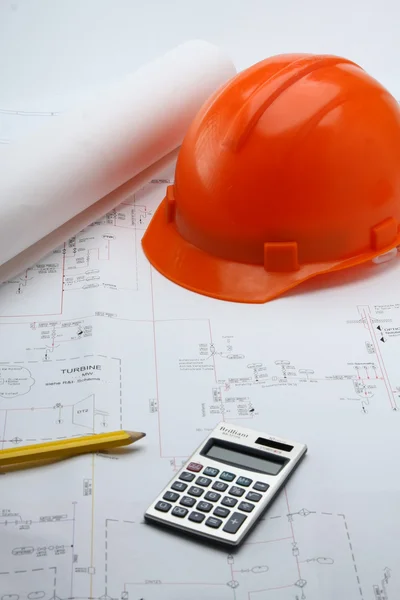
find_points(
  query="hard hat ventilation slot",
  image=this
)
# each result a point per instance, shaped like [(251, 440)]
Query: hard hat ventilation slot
[(281, 256), (266, 93)]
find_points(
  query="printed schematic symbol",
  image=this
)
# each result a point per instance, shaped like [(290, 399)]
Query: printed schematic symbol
[(301, 583), (22, 550), (321, 560), (260, 569), (14, 381)]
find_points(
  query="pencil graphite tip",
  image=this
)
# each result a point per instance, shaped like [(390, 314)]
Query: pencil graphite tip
[(137, 435)]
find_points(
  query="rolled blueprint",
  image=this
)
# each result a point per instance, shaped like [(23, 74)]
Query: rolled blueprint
[(59, 179)]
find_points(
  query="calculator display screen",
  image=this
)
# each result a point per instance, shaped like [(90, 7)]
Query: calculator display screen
[(242, 457)]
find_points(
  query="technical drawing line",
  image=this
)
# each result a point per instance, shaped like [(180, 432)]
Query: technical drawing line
[(120, 395), (92, 530), (352, 555), (106, 538), (268, 541), (29, 113), (4, 430), (367, 319), (62, 279), (291, 527), (19, 521), (213, 356), (135, 241), (279, 587), (176, 583), (73, 548), (155, 361)]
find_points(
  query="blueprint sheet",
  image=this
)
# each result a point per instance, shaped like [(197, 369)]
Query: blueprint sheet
[(92, 339)]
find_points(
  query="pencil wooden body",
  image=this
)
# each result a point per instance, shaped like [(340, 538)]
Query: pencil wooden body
[(70, 447)]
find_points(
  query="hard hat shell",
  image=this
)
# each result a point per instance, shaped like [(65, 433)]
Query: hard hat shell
[(290, 170)]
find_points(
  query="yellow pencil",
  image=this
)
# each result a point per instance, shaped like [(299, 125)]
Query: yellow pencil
[(67, 448)]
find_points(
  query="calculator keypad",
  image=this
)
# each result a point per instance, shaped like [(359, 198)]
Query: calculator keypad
[(179, 511), (197, 517), (253, 497), (171, 496), (244, 481), (204, 506), (226, 476), (236, 491), (220, 486), (234, 522), (187, 501), (212, 501), (260, 486), (246, 506), (213, 496), (195, 491), (213, 522), (179, 486), (185, 476), (211, 472), (162, 506), (196, 467), (220, 511), (203, 481), (227, 501)]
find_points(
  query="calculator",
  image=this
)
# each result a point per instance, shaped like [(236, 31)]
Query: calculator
[(226, 485)]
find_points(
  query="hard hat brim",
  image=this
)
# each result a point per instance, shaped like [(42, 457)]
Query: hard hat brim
[(189, 267)]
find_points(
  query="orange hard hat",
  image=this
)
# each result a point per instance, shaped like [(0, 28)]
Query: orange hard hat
[(290, 170)]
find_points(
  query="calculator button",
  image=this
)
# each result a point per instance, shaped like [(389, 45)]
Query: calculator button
[(244, 481), (187, 501), (229, 501), (162, 506), (234, 522), (213, 496), (178, 511), (211, 471), (226, 476), (221, 512), (204, 506), (196, 517), (195, 491), (260, 486), (253, 496), (196, 467), (220, 486), (185, 476), (171, 496), (204, 481), (179, 486), (235, 491), (245, 506), (213, 522)]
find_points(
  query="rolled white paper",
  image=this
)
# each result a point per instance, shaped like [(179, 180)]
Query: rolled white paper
[(58, 180)]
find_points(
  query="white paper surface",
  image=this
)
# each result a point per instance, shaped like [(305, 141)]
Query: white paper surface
[(319, 365), (75, 160), (93, 339)]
